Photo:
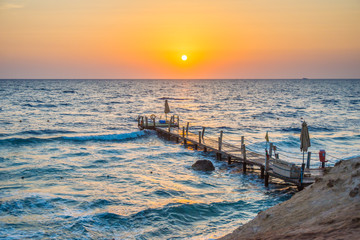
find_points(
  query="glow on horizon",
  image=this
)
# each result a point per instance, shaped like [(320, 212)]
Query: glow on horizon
[(146, 39)]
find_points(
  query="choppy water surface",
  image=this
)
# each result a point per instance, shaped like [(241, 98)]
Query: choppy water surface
[(73, 164)]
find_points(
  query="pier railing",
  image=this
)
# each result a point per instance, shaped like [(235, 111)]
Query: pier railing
[(267, 162)]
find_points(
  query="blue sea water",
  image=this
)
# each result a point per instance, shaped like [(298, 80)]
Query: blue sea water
[(73, 164)]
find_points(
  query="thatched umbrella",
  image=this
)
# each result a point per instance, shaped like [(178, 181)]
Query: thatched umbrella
[(167, 109), (304, 139)]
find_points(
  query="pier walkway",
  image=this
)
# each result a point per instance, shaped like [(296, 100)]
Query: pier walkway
[(265, 163)]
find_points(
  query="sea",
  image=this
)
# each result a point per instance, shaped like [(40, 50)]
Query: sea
[(74, 165)]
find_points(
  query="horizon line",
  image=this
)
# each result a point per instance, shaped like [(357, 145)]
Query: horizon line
[(357, 78)]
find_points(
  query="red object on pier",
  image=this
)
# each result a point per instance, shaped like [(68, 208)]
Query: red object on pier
[(322, 156)]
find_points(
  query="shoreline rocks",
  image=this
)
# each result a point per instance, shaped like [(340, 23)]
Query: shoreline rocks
[(327, 209)]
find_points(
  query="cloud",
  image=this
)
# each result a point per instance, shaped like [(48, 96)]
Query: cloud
[(6, 6)]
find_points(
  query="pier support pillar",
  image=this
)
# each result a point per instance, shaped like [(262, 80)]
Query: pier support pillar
[(229, 159), (266, 179), (244, 167), (205, 149), (262, 172), (308, 160), (196, 146)]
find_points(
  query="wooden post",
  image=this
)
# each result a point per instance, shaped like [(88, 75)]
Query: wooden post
[(154, 123), (146, 122), (262, 172), (266, 179), (243, 149), (270, 149), (177, 139), (142, 121), (308, 160), (138, 121), (183, 132), (187, 129), (178, 121), (267, 159), (229, 159), (220, 140), (203, 132), (169, 126), (302, 174), (199, 137), (242, 140), (205, 149), (195, 146)]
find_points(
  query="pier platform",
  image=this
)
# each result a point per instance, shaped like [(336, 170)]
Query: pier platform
[(262, 163)]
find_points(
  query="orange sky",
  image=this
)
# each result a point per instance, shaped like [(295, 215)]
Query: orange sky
[(146, 39)]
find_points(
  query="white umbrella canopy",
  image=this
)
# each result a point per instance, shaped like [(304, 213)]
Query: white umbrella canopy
[(304, 139), (167, 108)]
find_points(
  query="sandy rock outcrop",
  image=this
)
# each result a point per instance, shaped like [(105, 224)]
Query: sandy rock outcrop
[(328, 209)]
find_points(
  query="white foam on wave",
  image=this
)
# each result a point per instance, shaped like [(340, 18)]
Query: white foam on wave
[(108, 137)]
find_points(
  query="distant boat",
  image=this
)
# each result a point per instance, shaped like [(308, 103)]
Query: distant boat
[(305, 79)]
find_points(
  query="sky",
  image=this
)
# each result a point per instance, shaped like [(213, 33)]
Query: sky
[(241, 39)]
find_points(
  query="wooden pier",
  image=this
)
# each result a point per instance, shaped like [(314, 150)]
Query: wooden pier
[(229, 152)]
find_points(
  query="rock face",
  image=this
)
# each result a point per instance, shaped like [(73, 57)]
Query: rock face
[(328, 209), (203, 165)]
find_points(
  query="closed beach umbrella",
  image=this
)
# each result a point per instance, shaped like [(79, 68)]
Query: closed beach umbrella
[(266, 138), (167, 108), (304, 139)]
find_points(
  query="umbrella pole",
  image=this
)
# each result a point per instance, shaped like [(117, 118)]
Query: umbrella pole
[(302, 169), (303, 156)]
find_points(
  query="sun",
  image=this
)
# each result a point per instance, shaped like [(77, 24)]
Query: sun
[(184, 57)]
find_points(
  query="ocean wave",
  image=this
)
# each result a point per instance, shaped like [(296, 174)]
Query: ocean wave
[(43, 132), (176, 216), (39, 105), (311, 129), (30, 204), (355, 101), (37, 132), (175, 99), (107, 137)]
